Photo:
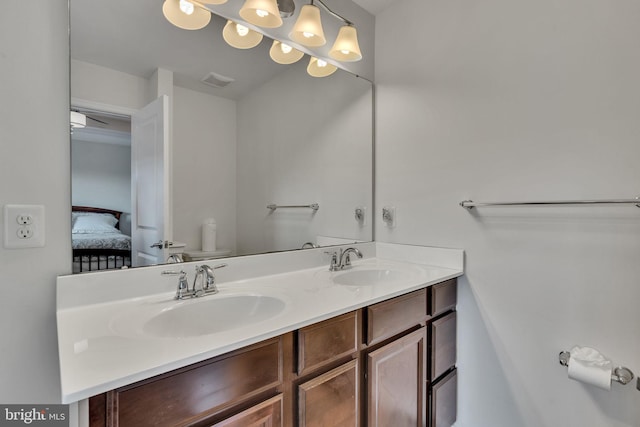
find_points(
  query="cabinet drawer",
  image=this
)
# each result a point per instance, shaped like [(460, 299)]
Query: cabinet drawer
[(443, 345), (444, 395), (389, 318), (202, 389), (264, 414), (331, 399), (443, 297), (327, 341)]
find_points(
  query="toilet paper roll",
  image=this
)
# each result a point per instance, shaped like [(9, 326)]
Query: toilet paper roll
[(209, 230), (588, 366)]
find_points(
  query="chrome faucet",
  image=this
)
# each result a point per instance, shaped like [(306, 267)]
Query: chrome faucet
[(343, 259), (309, 245), (208, 282)]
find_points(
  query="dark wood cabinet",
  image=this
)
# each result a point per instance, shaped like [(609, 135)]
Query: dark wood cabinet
[(389, 364), (389, 318), (443, 345), (331, 399), (328, 341), (395, 382), (264, 414), (443, 401)]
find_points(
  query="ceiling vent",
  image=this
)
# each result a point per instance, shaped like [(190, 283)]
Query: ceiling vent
[(216, 80)]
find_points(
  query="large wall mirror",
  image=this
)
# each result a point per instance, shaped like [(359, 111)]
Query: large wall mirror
[(256, 134)]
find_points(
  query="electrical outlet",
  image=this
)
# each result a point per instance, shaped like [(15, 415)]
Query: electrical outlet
[(23, 226), (24, 219), (24, 233)]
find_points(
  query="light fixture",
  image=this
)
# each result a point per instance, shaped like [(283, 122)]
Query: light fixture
[(308, 28), (240, 36), (282, 53), (186, 14), (346, 46), (320, 68), (212, 1), (263, 13), (77, 120)]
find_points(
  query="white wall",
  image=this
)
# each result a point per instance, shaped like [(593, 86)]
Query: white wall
[(204, 167), (34, 169), (288, 155), (94, 83), (101, 175), (504, 100)]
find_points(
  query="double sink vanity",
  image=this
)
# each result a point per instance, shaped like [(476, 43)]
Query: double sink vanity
[(284, 341)]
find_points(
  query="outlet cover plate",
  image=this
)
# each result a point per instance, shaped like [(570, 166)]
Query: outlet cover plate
[(15, 228)]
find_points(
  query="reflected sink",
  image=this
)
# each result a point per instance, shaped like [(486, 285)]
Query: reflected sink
[(202, 316), (371, 276)]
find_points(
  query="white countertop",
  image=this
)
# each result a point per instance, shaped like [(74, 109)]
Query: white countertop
[(99, 352)]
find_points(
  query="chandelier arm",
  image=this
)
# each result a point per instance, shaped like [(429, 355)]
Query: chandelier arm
[(331, 12)]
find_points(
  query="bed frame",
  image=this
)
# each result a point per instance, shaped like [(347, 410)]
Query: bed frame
[(100, 259)]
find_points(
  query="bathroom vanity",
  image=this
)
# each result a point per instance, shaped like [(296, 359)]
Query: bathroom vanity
[(374, 345)]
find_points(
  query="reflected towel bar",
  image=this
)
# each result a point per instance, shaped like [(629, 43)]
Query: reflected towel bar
[(470, 204), (313, 206)]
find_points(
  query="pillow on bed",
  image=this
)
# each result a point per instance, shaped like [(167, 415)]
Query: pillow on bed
[(95, 223)]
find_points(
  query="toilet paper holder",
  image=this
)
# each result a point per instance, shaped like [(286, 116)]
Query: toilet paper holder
[(620, 374)]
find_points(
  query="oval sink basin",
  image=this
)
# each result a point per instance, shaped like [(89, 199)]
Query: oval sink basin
[(370, 276), (211, 314)]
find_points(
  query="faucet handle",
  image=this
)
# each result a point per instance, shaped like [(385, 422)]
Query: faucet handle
[(334, 260), (183, 284)]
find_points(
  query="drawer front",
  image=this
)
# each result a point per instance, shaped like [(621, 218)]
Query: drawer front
[(327, 341), (443, 345), (443, 298), (389, 318), (202, 390), (331, 399), (265, 414), (444, 396)]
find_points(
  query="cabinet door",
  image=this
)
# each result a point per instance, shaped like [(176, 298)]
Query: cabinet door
[(264, 414), (444, 394), (331, 399), (396, 382)]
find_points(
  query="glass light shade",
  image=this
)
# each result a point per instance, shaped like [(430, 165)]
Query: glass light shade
[(78, 120), (263, 13), (346, 46), (212, 1), (320, 68), (308, 28), (280, 54), (241, 38), (197, 20)]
